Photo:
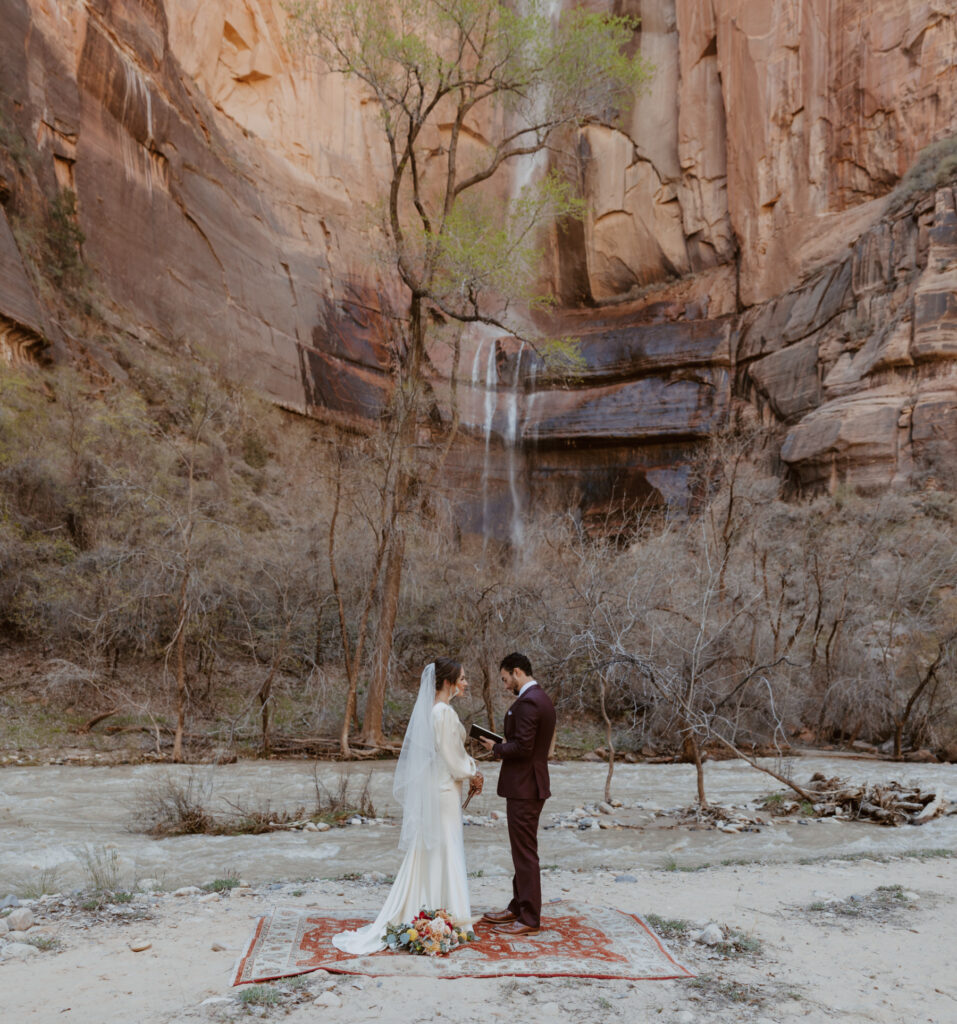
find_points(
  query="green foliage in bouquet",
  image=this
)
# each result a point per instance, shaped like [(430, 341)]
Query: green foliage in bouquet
[(429, 933)]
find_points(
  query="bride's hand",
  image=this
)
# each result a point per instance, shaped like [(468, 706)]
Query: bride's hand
[(476, 783)]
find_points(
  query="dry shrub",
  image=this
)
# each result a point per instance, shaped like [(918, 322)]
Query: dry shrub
[(177, 807), (173, 808), (337, 805)]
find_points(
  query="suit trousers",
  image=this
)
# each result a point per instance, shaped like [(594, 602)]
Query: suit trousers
[(523, 816)]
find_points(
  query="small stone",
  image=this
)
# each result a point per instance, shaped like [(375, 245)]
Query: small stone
[(20, 950), (243, 884), (20, 920), (496, 815), (189, 890), (922, 756), (606, 808), (218, 947), (4, 927), (310, 826), (140, 945), (711, 935), (9, 901), (605, 824), (586, 823), (323, 826), (625, 878), (328, 999), (355, 820)]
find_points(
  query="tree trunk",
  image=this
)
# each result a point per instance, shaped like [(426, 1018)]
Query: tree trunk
[(317, 653), (265, 691), (391, 584), (181, 670), (264, 718), (608, 740), (931, 672), (692, 753), (699, 772), (487, 696), (395, 556), (352, 665)]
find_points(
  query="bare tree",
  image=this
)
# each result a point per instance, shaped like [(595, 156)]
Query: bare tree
[(442, 73)]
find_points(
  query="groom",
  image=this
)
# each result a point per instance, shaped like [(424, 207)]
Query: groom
[(523, 781)]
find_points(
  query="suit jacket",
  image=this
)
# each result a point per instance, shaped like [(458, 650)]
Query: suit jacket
[(529, 726)]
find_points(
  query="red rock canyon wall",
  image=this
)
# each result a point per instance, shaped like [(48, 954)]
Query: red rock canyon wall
[(222, 188)]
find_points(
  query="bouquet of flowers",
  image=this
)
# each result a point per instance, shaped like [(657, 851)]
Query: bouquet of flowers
[(430, 933)]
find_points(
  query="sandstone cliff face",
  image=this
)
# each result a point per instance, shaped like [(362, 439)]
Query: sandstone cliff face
[(222, 187), (200, 230), (881, 376), (765, 123)]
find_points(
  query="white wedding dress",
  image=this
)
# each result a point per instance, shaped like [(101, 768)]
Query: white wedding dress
[(433, 874)]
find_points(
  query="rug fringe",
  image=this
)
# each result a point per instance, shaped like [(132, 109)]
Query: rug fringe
[(237, 968)]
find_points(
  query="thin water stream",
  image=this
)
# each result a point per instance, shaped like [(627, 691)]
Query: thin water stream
[(49, 815)]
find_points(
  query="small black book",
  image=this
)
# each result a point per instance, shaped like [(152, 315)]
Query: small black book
[(476, 732)]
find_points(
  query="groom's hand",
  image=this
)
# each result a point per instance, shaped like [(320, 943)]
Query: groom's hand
[(488, 744)]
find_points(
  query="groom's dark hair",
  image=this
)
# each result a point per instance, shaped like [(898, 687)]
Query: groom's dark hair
[(515, 660)]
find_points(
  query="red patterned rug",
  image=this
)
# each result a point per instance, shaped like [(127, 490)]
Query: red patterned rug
[(576, 941)]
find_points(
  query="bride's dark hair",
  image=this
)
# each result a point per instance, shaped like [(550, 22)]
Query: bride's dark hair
[(446, 671)]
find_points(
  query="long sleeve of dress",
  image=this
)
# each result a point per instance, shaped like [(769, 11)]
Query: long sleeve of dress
[(450, 743)]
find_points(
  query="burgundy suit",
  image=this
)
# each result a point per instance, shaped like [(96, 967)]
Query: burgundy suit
[(523, 781)]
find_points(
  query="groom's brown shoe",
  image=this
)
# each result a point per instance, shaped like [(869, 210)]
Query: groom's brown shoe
[(518, 928), (499, 916)]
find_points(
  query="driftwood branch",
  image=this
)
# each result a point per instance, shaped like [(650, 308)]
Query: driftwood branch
[(802, 793), (96, 719)]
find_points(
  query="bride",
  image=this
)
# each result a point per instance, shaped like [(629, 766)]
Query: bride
[(428, 784)]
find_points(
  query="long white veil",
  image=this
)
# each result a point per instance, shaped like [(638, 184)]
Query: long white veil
[(416, 785)]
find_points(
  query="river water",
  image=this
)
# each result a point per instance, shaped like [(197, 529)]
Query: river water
[(52, 818)]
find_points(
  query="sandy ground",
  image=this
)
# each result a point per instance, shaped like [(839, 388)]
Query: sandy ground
[(812, 965)]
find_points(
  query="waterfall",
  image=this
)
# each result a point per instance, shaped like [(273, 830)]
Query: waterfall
[(529, 426), (517, 525), (475, 383), (491, 382), (477, 364), (529, 167), (137, 96)]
